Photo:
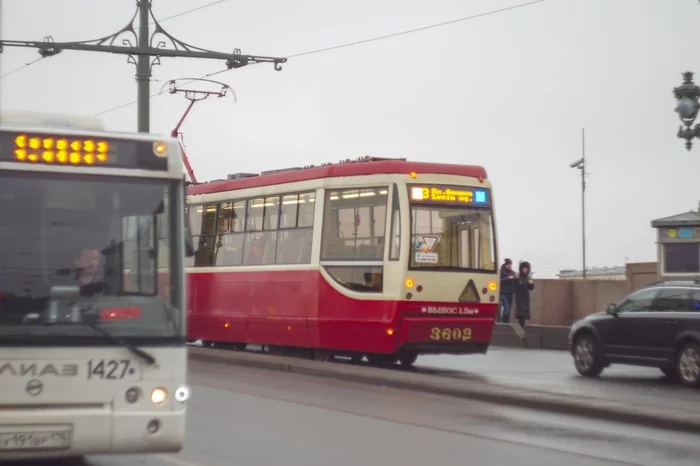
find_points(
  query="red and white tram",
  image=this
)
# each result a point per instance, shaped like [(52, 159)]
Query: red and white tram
[(382, 258)]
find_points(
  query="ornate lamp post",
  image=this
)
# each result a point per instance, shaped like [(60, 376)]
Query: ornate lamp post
[(688, 96)]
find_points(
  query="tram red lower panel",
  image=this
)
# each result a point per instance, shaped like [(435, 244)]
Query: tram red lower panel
[(299, 308)]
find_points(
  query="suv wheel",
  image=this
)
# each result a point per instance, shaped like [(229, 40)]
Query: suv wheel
[(688, 364), (587, 356)]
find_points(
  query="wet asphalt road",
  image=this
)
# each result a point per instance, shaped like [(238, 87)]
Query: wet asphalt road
[(553, 371), (248, 417)]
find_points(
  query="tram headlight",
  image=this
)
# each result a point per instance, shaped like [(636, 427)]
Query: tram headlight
[(182, 394), (158, 395)]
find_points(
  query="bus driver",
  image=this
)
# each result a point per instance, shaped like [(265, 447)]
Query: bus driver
[(87, 265)]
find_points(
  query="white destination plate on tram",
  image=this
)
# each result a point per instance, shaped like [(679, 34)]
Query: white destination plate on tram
[(113, 369), (37, 440)]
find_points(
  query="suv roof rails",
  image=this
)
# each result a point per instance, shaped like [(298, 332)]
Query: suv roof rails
[(676, 282)]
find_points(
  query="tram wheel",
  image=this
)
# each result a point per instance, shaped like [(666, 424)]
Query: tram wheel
[(356, 358), (275, 350), (207, 343), (380, 359), (240, 346), (408, 360), (322, 355)]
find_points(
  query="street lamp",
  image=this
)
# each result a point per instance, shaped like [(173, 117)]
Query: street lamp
[(580, 164), (688, 96)]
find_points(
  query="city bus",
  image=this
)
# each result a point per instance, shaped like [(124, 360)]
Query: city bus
[(383, 259), (93, 358)]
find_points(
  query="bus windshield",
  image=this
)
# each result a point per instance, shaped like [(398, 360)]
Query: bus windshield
[(73, 247), (452, 238)]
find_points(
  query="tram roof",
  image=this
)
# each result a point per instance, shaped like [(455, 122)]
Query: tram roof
[(365, 166)]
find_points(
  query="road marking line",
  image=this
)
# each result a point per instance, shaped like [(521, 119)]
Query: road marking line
[(180, 461)]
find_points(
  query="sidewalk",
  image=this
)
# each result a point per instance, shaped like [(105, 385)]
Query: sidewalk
[(536, 337), (685, 416)]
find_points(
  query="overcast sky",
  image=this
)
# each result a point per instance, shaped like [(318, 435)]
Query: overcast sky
[(509, 91)]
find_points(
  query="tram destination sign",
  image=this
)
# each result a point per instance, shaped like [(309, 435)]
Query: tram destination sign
[(444, 194)]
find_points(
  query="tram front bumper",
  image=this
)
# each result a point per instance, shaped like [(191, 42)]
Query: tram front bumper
[(459, 335)]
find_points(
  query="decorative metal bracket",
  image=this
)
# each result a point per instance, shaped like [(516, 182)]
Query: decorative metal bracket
[(160, 44), (145, 51)]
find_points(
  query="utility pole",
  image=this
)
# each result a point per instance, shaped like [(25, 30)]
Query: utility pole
[(1, 62), (583, 198), (148, 48), (580, 164)]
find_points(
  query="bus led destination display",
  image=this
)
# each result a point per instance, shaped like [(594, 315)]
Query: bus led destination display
[(440, 194), (62, 149)]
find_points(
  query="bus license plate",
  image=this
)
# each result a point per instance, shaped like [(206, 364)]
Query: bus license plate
[(40, 440), (113, 369)]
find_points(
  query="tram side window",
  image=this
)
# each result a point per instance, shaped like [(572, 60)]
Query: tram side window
[(395, 245), (296, 229), (259, 231), (232, 217), (260, 236), (307, 206), (194, 214), (205, 241), (354, 221), (358, 278)]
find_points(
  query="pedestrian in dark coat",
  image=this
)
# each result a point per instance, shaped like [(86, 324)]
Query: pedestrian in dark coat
[(523, 286), (508, 278)]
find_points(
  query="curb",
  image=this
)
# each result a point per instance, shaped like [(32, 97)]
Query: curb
[(550, 337), (596, 408)]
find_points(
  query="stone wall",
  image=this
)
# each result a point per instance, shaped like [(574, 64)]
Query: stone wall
[(561, 302)]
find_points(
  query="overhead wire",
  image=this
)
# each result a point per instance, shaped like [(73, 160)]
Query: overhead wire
[(176, 15), (411, 31), (20, 68), (355, 43)]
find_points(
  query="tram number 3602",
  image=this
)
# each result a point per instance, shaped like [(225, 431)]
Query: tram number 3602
[(450, 334)]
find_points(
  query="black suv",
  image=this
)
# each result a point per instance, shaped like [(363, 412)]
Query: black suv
[(657, 326)]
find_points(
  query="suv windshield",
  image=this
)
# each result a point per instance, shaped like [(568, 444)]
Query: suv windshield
[(78, 249), (452, 238)]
